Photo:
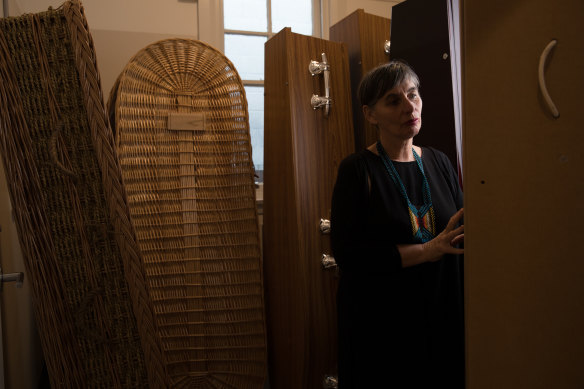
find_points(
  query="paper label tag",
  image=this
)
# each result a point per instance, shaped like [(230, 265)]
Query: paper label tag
[(186, 121)]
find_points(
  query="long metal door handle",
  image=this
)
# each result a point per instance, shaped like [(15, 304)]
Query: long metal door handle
[(316, 68), (542, 85)]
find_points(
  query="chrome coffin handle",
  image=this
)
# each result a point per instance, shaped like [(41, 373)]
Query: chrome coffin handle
[(320, 101), (330, 382), (316, 68), (542, 86), (328, 261), (325, 226)]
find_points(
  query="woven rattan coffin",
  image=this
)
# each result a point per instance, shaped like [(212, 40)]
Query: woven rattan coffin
[(182, 135), (92, 311)]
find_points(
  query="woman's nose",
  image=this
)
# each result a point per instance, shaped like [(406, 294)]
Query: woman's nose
[(408, 105)]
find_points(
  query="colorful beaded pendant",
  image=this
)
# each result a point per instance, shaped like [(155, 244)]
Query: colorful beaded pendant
[(423, 218)]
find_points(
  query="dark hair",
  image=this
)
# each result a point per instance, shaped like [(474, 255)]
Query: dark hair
[(379, 80)]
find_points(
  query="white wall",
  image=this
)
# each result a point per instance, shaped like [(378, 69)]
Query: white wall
[(18, 7), (122, 28), (335, 10), (175, 17), (22, 350)]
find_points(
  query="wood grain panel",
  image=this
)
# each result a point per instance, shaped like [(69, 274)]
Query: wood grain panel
[(365, 35), (303, 151), (283, 281)]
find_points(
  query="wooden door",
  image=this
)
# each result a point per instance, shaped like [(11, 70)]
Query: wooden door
[(524, 185), (365, 36), (303, 148)]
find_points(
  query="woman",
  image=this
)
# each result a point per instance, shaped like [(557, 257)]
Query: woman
[(395, 216)]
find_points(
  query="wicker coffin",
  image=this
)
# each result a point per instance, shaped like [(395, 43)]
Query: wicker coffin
[(182, 135), (82, 262)]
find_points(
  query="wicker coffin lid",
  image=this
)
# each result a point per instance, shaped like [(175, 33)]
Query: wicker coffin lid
[(82, 262), (182, 135)]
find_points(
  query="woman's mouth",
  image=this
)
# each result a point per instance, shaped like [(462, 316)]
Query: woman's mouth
[(412, 122)]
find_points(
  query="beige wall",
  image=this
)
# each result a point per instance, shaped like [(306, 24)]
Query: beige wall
[(152, 16), (22, 351), (335, 10), (122, 28)]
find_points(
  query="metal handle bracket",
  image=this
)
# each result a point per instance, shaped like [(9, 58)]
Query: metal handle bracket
[(325, 226), (11, 277), (328, 261), (316, 68), (330, 382)]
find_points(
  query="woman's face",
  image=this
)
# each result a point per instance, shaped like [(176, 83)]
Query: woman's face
[(398, 113)]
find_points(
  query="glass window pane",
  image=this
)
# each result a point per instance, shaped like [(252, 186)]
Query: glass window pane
[(255, 106), (247, 54), (295, 14), (248, 15)]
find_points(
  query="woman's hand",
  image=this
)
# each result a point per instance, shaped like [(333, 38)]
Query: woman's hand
[(446, 241), (433, 250)]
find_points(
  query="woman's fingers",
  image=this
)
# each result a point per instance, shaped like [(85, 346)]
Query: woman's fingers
[(446, 241), (457, 231), (455, 250), (455, 219), (457, 239), (456, 235)]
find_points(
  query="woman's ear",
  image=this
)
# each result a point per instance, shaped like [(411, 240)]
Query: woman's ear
[(369, 115)]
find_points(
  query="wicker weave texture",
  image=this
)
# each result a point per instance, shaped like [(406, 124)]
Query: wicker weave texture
[(70, 209), (192, 203)]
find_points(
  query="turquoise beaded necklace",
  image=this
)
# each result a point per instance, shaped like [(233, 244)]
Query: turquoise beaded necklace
[(423, 218)]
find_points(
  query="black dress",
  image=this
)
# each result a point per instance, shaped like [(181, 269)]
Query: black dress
[(398, 327)]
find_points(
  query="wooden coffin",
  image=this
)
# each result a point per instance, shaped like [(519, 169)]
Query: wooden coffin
[(303, 148), (365, 36)]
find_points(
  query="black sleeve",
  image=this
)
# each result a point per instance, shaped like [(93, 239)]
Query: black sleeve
[(357, 247)]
